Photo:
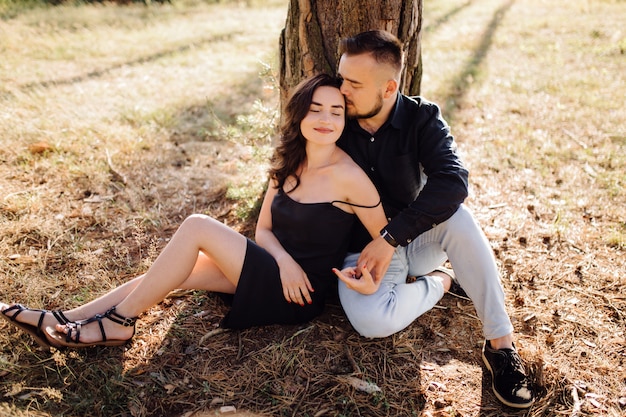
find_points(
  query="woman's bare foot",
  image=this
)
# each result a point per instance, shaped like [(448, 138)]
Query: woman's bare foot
[(31, 317), (108, 329), (92, 332), (33, 321)]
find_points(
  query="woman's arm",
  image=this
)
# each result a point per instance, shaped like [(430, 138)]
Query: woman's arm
[(296, 285), (365, 278), (362, 192)]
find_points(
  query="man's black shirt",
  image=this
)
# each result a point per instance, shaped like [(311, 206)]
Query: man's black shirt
[(413, 162)]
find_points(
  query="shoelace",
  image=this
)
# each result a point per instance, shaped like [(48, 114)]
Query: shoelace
[(512, 363), (514, 366)]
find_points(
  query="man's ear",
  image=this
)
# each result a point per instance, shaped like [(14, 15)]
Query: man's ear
[(391, 87)]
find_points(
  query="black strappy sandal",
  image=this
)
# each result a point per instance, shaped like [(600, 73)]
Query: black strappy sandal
[(71, 339), (35, 331)]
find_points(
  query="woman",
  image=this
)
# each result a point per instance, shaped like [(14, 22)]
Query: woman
[(316, 193)]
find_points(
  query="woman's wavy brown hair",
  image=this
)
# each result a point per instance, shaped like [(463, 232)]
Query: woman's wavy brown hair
[(291, 149)]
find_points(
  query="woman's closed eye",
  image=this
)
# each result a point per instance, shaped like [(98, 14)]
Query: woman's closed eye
[(334, 113)]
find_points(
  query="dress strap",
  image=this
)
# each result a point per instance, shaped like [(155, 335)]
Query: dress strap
[(356, 205)]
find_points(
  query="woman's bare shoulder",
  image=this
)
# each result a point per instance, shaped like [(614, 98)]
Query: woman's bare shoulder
[(350, 175), (347, 166)]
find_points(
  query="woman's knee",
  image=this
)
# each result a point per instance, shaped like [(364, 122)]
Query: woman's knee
[(195, 222), (197, 218)]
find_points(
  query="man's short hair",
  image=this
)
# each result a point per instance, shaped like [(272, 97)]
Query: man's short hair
[(384, 47)]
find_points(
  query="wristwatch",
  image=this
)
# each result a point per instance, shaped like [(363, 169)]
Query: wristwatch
[(388, 238)]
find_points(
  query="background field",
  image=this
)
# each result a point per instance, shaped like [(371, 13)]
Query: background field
[(118, 122)]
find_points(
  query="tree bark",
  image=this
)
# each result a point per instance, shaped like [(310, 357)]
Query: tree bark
[(309, 42)]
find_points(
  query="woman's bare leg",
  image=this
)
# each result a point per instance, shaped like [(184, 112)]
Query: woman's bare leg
[(97, 306), (176, 264), (202, 254)]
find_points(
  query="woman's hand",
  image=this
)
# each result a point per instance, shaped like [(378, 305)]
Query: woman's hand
[(296, 285), (364, 284)]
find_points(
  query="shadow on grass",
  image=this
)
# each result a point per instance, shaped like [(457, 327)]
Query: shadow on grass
[(94, 381), (308, 369), (460, 84), (135, 62), (281, 370), (444, 19), (64, 383), (459, 87)]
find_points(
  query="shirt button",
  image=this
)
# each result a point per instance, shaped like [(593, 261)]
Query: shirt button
[(388, 219), (372, 139), (372, 169)]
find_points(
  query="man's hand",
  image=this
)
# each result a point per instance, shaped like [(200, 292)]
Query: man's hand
[(364, 285), (377, 256)]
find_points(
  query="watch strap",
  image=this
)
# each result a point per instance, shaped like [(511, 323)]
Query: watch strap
[(388, 238)]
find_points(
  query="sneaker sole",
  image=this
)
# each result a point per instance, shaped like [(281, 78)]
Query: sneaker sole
[(493, 388)]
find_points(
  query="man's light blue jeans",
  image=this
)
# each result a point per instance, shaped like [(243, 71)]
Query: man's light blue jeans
[(397, 304)]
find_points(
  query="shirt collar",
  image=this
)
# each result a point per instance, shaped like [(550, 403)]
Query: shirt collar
[(398, 113)]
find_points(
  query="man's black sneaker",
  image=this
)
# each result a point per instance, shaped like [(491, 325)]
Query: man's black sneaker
[(508, 377)]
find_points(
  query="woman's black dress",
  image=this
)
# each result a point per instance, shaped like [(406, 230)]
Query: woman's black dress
[(316, 236)]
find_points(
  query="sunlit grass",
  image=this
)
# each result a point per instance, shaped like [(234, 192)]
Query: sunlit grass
[(114, 97), (117, 122)]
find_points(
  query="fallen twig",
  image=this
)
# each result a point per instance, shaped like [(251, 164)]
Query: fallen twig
[(577, 402), (116, 175), (211, 334)]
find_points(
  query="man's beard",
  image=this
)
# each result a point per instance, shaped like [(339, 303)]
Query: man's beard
[(373, 112)]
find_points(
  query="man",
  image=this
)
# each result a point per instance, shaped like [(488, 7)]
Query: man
[(406, 148)]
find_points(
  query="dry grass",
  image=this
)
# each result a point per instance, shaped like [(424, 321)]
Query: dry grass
[(116, 123)]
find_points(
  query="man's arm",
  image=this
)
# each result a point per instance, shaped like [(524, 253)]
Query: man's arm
[(447, 179)]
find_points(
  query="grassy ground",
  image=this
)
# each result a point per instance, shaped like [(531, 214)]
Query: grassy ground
[(116, 123)]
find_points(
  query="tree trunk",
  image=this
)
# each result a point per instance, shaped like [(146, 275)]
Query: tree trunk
[(309, 42)]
